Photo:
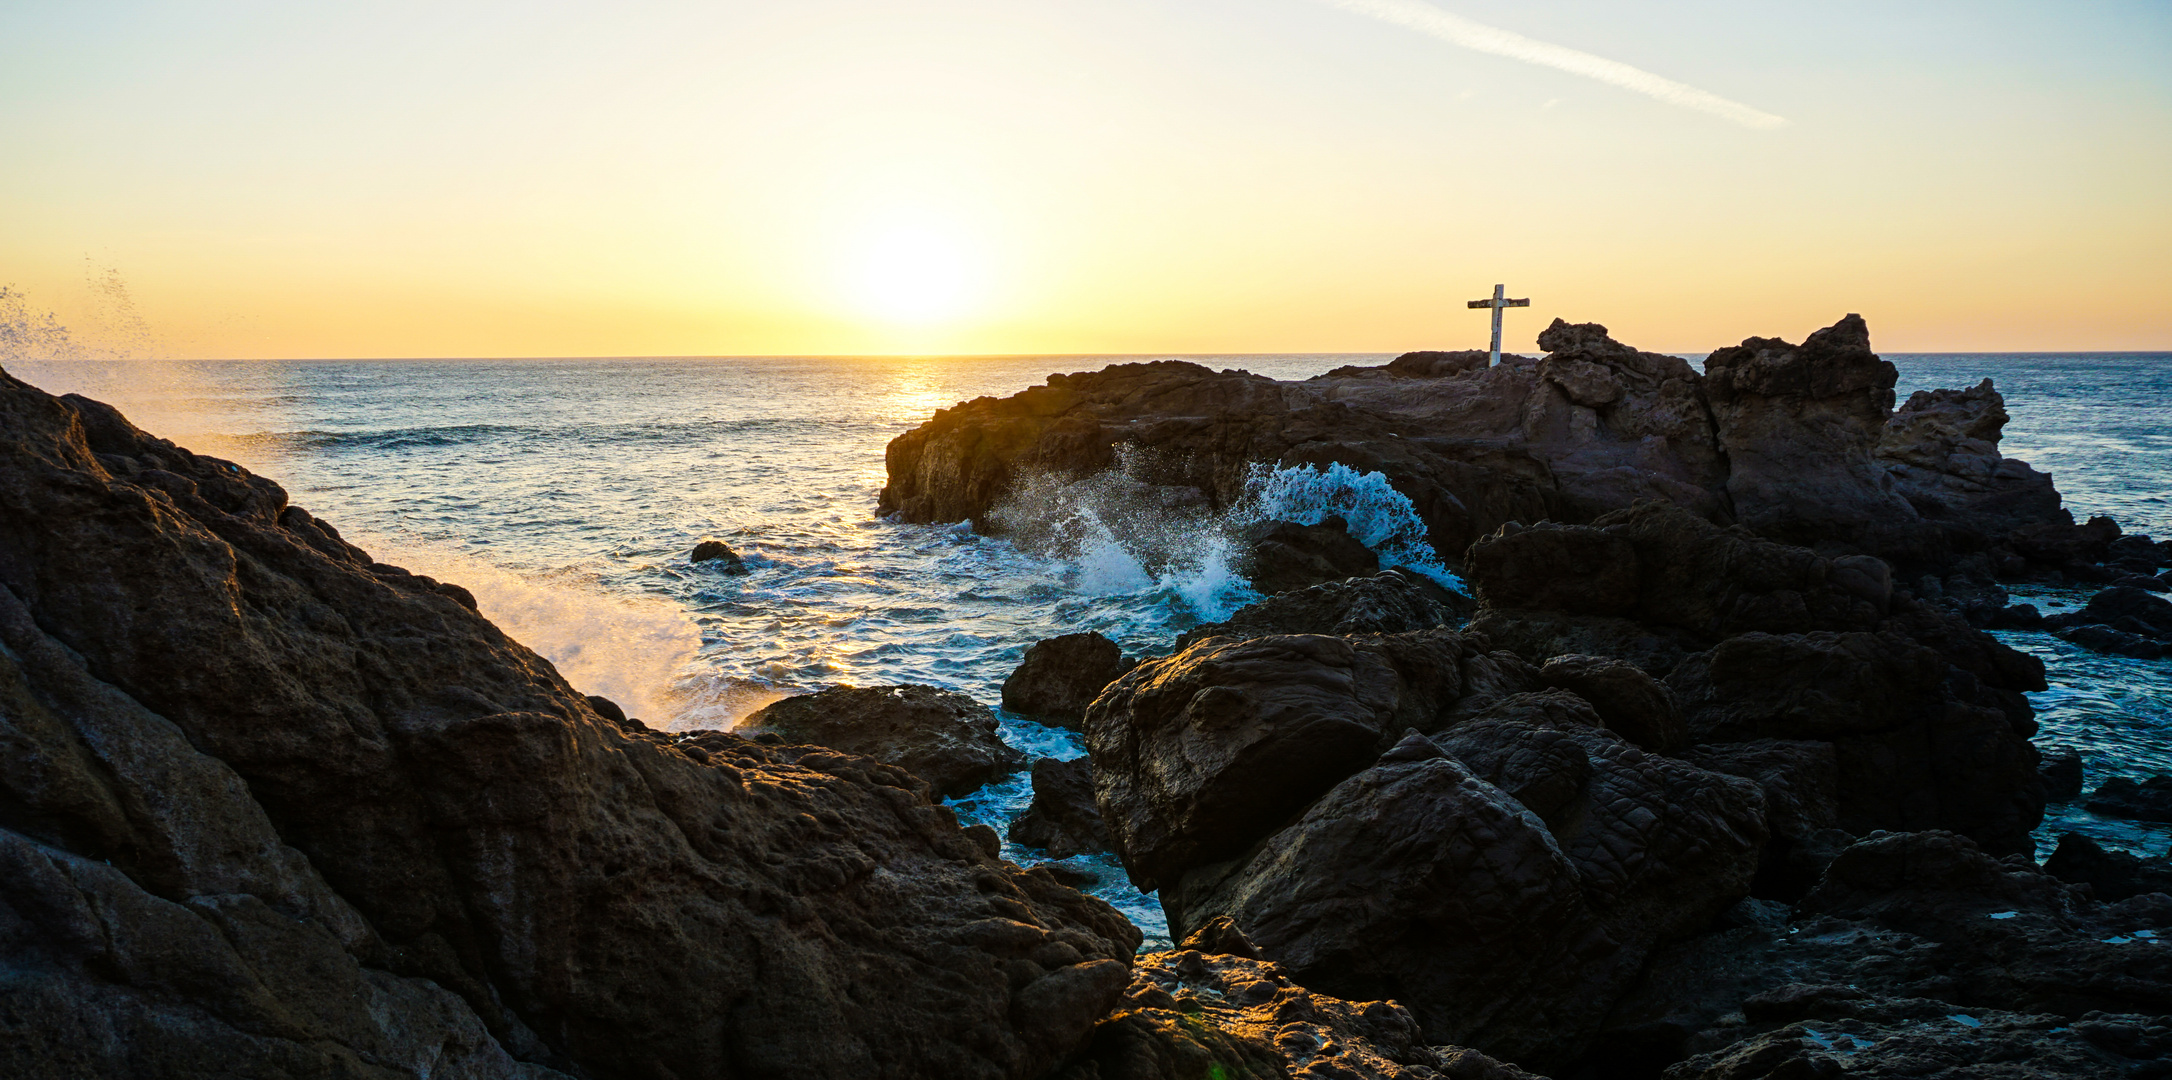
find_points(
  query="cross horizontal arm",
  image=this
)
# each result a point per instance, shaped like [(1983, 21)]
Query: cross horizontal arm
[(1489, 302)]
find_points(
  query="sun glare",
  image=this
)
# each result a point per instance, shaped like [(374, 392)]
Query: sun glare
[(915, 275)]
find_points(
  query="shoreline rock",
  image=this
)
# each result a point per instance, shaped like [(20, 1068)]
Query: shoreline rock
[(943, 737)]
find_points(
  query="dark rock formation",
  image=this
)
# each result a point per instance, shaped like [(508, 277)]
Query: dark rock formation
[(2122, 620), (1284, 555), (2062, 773), (1431, 876), (2150, 800), (1760, 640), (1798, 442), (945, 738), (269, 808), (1631, 703), (2115, 875), (1199, 754), (1059, 677), (1390, 602), (1908, 929), (718, 552), (1062, 819), (1203, 1012)]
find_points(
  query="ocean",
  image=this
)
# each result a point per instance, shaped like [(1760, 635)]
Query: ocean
[(566, 495)]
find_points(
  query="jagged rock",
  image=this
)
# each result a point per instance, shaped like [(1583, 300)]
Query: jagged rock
[(1390, 602), (274, 809), (1285, 555), (2150, 800), (1059, 677), (1908, 925), (1631, 703), (1800, 780), (717, 551), (1784, 437), (2129, 611), (1199, 754), (2063, 542), (1941, 448), (2115, 875), (2062, 774), (1194, 1013), (2104, 639), (1425, 878), (1062, 818), (941, 736)]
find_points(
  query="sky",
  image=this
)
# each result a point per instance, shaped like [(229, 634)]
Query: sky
[(268, 180)]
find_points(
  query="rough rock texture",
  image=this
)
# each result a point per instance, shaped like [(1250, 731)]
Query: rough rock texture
[(1504, 882), (2119, 796), (1798, 441), (1285, 555), (2114, 875), (1390, 602), (1631, 703), (1062, 818), (1199, 754), (1942, 450), (270, 808), (1201, 1012), (1908, 929), (1760, 640), (1059, 677), (945, 738)]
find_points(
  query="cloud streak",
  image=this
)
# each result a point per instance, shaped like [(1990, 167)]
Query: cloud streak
[(1456, 30)]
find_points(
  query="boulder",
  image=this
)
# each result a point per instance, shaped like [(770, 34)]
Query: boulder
[(1059, 677), (1199, 754), (1801, 783), (941, 736), (1062, 820), (2061, 771), (2114, 875), (718, 552), (1390, 602), (1200, 1012), (1631, 703), (1504, 925), (1941, 449), (2121, 797), (277, 809), (1284, 555), (2131, 611)]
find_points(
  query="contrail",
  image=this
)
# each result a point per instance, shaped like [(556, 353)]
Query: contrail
[(1427, 19)]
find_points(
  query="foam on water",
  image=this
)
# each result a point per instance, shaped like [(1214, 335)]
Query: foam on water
[(1378, 516)]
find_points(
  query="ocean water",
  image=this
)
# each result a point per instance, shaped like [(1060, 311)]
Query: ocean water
[(567, 493)]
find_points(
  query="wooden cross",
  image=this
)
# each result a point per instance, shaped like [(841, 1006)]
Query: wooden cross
[(1497, 303)]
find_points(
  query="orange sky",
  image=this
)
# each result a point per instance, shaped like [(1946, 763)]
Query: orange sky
[(845, 176)]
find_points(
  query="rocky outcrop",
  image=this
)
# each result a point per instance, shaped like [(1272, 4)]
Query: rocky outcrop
[(1059, 677), (1759, 640), (1390, 602), (945, 738), (2122, 620), (1504, 881), (1800, 443), (2123, 797), (1916, 952), (2113, 875), (1062, 819), (268, 807), (1284, 555), (1206, 1011)]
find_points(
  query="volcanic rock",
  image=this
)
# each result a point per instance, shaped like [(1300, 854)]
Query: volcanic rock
[(1194, 1012), (1062, 818), (270, 808), (1507, 924), (1631, 703), (1199, 754), (2150, 800), (717, 551), (1285, 555), (2130, 611), (943, 737), (1059, 677), (1391, 602), (1941, 449), (2115, 875)]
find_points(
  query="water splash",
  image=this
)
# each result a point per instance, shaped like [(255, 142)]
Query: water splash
[(27, 334), (1378, 516)]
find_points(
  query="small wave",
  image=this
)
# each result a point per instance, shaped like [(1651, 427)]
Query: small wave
[(1378, 516)]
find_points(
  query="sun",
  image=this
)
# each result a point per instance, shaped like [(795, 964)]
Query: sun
[(915, 274)]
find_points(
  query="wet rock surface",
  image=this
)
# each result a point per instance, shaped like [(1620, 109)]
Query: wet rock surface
[(1284, 555), (941, 736), (1203, 1011), (1391, 602), (271, 808), (2144, 800), (1059, 677), (1062, 819)]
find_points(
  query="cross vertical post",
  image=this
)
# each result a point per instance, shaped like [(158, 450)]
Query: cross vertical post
[(1498, 302)]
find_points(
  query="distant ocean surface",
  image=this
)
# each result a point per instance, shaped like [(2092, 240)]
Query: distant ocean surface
[(567, 493)]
